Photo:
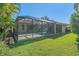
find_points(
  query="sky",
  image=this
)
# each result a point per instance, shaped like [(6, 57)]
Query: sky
[(59, 12)]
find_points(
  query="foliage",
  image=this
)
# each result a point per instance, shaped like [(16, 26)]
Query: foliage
[(45, 18), (7, 10), (4, 50), (75, 23), (68, 27), (76, 7), (75, 20)]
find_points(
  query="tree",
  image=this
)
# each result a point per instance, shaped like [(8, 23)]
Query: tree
[(75, 20), (7, 10), (45, 18), (76, 7)]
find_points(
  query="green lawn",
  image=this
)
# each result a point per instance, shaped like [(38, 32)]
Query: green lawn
[(58, 45)]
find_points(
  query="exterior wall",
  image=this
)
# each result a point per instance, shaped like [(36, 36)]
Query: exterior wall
[(21, 30), (47, 28), (58, 28), (44, 27), (50, 28), (37, 27), (63, 28)]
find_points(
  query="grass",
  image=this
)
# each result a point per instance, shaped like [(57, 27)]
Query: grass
[(58, 45)]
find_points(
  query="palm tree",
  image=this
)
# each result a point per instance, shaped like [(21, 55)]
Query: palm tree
[(7, 10)]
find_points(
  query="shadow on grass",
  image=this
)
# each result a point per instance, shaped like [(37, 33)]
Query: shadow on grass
[(28, 41)]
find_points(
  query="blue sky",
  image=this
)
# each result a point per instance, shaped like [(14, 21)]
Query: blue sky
[(55, 11)]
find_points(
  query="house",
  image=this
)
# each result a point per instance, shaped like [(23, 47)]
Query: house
[(31, 27)]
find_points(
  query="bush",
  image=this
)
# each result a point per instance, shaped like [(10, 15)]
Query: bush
[(4, 49)]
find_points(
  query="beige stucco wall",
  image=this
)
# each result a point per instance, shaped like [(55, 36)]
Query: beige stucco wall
[(20, 30)]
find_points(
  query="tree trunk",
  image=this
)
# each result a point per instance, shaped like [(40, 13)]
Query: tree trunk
[(4, 36)]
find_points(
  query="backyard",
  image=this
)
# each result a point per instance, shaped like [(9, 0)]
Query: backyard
[(58, 45)]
